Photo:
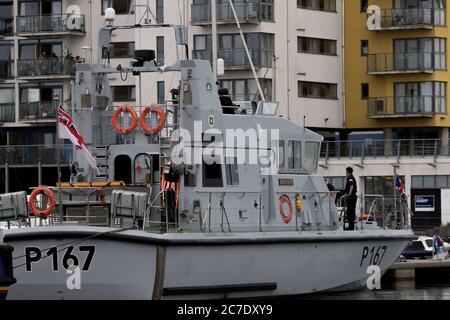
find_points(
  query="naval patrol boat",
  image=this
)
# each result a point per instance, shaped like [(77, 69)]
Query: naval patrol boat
[(203, 199)]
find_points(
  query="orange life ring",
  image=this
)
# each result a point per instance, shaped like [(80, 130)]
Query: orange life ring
[(51, 199), (134, 119), (283, 200), (161, 115)]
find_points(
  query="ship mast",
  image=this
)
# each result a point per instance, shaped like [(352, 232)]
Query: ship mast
[(214, 36)]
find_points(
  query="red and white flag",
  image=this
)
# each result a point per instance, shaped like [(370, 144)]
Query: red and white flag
[(68, 130)]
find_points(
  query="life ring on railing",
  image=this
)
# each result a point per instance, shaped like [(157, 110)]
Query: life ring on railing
[(51, 202), (284, 199), (161, 115), (134, 119)]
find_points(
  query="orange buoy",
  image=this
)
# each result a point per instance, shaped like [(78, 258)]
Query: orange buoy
[(162, 119), (134, 119), (51, 199), (284, 199)]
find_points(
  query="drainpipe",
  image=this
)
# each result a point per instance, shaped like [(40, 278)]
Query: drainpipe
[(344, 115)]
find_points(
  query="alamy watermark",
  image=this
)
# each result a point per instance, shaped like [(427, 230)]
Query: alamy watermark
[(374, 279), (254, 146)]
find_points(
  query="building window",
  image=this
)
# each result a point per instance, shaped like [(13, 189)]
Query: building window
[(420, 97), (161, 92), (430, 182), (364, 5), (246, 90), (337, 182), (316, 46), (364, 47), (124, 93), (364, 91), (321, 5), (320, 90), (160, 11), (420, 54), (267, 10), (120, 50), (160, 50), (121, 6)]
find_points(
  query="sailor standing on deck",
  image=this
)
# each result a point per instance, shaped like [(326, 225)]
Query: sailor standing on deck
[(350, 195)]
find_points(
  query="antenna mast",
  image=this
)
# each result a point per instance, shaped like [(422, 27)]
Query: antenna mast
[(246, 50)]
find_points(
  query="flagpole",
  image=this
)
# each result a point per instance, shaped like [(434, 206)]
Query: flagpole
[(58, 158), (395, 190)]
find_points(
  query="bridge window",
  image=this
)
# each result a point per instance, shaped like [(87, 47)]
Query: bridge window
[(311, 156), (294, 155), (232, 170)]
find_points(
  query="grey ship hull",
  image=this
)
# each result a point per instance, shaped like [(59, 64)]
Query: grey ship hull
[(139, 265)]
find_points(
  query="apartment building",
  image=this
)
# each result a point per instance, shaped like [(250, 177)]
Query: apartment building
[(396, 104), (296, 47)]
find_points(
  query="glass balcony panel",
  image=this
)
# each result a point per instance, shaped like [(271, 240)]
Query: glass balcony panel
[(51, 23), (37, 111), (7, 112), (6, 26), (245, 11), (46, 67)]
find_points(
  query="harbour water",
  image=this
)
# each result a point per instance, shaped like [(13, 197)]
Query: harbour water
[(418, 293)]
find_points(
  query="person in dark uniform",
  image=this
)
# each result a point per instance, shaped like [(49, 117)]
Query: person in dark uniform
[(350, 195)]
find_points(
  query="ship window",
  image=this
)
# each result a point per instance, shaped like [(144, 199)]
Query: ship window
[(294, 155), (232, 170), (281, 153), (212, 175), (311, 156)]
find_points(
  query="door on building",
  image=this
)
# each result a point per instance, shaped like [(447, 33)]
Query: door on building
[(426, 208)]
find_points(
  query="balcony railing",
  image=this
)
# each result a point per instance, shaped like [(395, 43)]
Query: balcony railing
[(249, 11), (33, 111), (33, 155), (46, 67), (395, 19), (373, 149), (6, 27), (389, 63), (7, 112), (237, 58), (6, 69), (62, 23), (402, 107)]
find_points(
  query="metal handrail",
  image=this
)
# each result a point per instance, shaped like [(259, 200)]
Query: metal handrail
[(395, 148), (50, 23)]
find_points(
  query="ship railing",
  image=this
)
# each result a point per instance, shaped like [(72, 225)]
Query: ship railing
[(386, 212), (325, 219), (159, 203)]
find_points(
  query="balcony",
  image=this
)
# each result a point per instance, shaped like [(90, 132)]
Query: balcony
[(6, 69), (379, 149), (399, 19), (401, 107), (37, 111), (396, 63), (7, 112), (33, 155), (251, 11), (46, 68), (6, 27), (236, 59), (48, 25)]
